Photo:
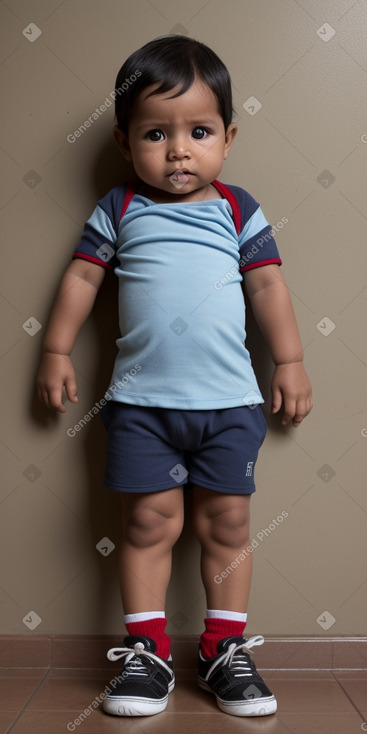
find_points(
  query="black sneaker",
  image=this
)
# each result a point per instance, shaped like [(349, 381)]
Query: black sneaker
[(143, 686), (232, 677)]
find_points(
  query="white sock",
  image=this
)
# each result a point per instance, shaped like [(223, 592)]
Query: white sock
[(225, 614), (142, 616)]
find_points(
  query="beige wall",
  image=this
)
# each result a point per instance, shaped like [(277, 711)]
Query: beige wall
[(303, 156)]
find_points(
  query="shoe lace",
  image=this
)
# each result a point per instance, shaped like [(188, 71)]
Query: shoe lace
[(238, 657), (134, 664)]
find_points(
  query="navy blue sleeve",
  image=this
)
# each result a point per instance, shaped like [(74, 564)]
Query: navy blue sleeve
[(256, 242), (98, 242)]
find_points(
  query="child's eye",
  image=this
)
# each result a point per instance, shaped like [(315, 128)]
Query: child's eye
[(199, 133), (155, 135)]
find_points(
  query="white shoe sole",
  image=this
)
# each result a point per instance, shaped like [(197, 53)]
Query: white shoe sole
[(260, 707), (135, 706)]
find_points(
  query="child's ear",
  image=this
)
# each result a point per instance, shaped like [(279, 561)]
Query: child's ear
[(122, 142), (230, 135)]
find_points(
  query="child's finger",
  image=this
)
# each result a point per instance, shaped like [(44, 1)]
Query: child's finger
[(54, 400), (289, 411), (298, 418), (71, 390), (277, 400), (303, 408)]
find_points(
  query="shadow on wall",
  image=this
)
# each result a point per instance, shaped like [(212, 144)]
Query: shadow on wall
[(264, 368), (108, 169)]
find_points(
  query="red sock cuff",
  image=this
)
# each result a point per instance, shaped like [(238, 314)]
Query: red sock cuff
[(215, 630), (230, 627), (153, 628)]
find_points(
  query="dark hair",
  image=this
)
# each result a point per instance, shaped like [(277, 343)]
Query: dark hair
[(171, 60)]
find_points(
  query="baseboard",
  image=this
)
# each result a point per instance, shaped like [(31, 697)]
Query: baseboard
[(278, 653)]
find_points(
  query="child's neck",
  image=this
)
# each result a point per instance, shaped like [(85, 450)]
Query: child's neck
[(163, 197)]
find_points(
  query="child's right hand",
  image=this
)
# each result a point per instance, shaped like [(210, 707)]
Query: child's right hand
[(55, 373)]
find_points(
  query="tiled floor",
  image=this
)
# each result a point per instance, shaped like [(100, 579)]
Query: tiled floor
[(52, 701)]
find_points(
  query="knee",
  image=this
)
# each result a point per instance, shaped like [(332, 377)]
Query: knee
[(230, 528), (147, 526)]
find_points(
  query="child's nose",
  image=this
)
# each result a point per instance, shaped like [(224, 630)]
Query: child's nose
[(178, 150)]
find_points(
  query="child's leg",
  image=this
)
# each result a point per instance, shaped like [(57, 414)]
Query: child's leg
[(152, 523), (222, 524)]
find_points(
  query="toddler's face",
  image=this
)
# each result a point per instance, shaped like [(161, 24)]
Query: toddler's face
[(177, 145)]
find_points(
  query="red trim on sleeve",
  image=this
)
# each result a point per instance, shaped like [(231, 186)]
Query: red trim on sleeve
[(130, 191), (227, 194), (261, 263), (91, 259)]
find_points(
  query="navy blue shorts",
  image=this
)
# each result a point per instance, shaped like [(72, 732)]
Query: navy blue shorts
[(152, 449)]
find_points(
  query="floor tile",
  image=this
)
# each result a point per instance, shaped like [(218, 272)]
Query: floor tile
[(65, 693), (316, 692), (99, 723), (77, 690), (307, 675), (350, 653), (219, 723), (293, 654), (64, 700), (322, 723), (6, 719), (29, 652), (187, 697), (49, 722), (355, 685), (17, 686), (71, 652)]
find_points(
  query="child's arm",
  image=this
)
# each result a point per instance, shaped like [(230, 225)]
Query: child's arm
[(74, 302), (273, 311)]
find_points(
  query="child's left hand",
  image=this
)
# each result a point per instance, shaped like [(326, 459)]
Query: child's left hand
[(291, 389)]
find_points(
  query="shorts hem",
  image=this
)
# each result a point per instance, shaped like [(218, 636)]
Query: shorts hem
[(142, 490), (249, 489)]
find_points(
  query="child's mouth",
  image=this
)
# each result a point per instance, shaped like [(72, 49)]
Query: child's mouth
[(179, 178)]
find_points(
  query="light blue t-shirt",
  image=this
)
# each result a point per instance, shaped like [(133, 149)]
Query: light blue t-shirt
[(181, 306)]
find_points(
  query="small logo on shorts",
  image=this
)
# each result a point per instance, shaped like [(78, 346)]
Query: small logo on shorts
[(250, 465)]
